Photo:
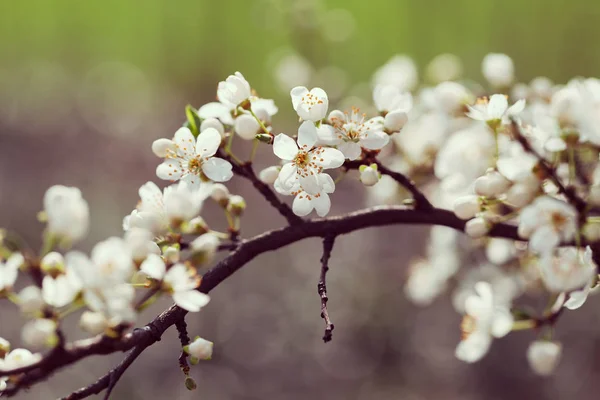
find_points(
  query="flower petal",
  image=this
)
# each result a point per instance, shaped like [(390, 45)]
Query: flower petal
[(309, 183), (285, 147), (302, 205), (191, 300), (329, 158), (154, 267), (375, 140), (307, 135), (296, 94), (497, 106), (184, 140), (169, 170), (474, 347), (217, 169), (208, 142), (322, 204), (350, 150)]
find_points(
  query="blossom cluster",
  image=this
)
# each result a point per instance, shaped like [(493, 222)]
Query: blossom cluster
[(511, 155)]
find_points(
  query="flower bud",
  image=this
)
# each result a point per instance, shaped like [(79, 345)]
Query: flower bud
[(220, 194), (519, 195), (236, 205), (498, 69), (369, 175), (543, 356), (171, 254), (477, 227), (94, 323), (466, 207), (394, 121), (40, 333), (30, 299), (201, 349), (196, 226), (53, 263), (162, 147), (269, 175), (491, 184), (213, 123), (190, 384), (204, 248), (246, 126)]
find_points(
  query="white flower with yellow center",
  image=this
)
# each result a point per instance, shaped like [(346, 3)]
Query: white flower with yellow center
[(495, 109), (310, 105), (303, 161), (567, 270), (190, 160), (350, 132), (546, 222)]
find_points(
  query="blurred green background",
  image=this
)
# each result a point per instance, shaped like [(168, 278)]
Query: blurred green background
[(87, 85)]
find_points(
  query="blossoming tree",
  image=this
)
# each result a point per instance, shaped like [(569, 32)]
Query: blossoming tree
[(515, 169)]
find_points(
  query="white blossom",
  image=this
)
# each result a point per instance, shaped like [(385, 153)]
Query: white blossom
[(94, 323), (40, 333), (498, 69), (546, 222), (217, 111), (495, 109), (234, 90), (9, 271), (30, 299), (567, 270), (485, 319), (303, 162), (140, 243), (466, 207), (492, 184), (20, 358), (179, 280), (389, 98), (206, 245), (543, 356), (350, 132), (189, 159), (61, 289), (310, 105), (304, 203), (477, 227), (67, 213)]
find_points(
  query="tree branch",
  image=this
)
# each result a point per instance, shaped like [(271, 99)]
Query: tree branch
[(246, 251), (322, 286), (246, 171)]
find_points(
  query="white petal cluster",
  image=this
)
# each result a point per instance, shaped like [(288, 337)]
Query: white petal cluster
[(67, 213), (191, 159), (485, 320)]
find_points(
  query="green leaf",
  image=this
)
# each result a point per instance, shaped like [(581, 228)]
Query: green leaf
[(193, 120)]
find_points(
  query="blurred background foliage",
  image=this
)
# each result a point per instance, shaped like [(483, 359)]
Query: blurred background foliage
[(86, 86)]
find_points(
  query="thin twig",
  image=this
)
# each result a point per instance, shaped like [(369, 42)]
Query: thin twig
[(322, 286), (184, 338), (421, 201), (569, 192), (108, 381)]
